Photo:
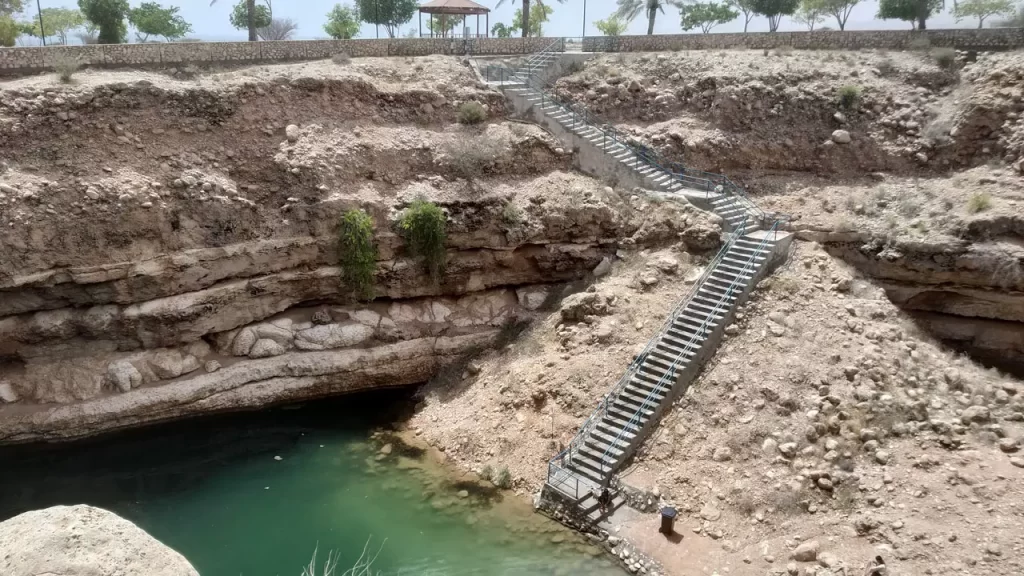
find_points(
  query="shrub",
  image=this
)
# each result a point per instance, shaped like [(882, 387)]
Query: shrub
[(65, 67), (849, 96), (922, 43), (487, 471), (358, 253), (511, 214), (469, 157), (979, 203), (341, 59), (8, 31), (574, 67), (503, 479), (887, 68), (472, 113), (945, 58), (422, 226)]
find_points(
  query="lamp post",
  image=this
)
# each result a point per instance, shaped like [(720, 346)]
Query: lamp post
[(584, 19), (42, 31)]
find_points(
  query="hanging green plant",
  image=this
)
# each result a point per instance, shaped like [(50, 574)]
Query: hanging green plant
[(358, 253), (423, 226)]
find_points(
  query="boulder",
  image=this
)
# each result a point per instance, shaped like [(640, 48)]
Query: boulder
[(7, 392), (841, 137), (243, 342), (328, 336), (83, 541), (291, 132), (124, 376), (975, 414), (265, 348), (166, 364), (806, 552), (578, 306), (603, 268)]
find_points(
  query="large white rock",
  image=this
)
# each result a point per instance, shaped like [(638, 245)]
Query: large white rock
[(333, 336), (7, 392), (124, 376), (83, 541), (841, 137)]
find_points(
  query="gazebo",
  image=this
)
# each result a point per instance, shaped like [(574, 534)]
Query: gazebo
[(453, 9)]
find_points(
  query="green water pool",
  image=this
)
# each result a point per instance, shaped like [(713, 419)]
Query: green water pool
[(253, 494)]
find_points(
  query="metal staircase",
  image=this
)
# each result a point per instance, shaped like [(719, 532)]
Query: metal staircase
[(692, 331)]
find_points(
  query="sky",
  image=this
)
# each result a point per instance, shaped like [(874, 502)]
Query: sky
[(211, 22)]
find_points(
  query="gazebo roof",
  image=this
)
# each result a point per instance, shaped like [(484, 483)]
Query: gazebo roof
[(453, 7)]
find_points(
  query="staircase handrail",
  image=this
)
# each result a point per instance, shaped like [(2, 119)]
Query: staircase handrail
[(602, 407), (748, 265), (710, 181)]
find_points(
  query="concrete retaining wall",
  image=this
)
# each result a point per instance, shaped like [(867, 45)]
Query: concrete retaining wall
[(964, 39)]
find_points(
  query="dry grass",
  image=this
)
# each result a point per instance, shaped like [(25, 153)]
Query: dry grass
[(979, 202)]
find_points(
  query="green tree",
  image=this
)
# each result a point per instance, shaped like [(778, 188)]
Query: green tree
[(774, 10), (628, 10), (611, 26), (809, 13), (1014, 21), (838, 9), (239, 18), (745, 7), (443, 26), (109, 16), (501, 30), (10, 7), (152, 19), (917, 12), (9, 31), (526, 14), (342, 22), (538, 16), (390, 14), (982, 9), (59, 22), (705, 15)]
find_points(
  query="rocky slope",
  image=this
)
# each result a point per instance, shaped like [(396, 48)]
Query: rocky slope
[(173, 250), (739, 111), (916, 182), (828, 429), (81, 540)]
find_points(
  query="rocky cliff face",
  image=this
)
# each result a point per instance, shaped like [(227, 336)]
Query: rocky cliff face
[(171, 251)]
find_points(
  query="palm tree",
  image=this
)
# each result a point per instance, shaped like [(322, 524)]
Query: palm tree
[(526, 13), (629, 9), (250, 9)]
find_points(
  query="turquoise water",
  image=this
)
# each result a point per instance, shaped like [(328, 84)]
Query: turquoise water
[(213, 490)]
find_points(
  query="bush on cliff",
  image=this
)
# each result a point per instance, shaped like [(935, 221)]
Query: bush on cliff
[(358, 254), (423, 227)]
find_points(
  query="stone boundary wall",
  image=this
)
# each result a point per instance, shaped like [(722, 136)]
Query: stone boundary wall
[(963, 39), (22, 60)]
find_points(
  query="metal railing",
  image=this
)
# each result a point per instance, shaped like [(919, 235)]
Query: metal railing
[(643, 157), (567, 454), (693, 343)]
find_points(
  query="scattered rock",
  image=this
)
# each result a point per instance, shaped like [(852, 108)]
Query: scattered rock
[(603, 268), (8, 394), (291, 132), (166, 364), (211, 366), (710, 513), (722, 454), (124, 376), (806, 552), (265, 348), (841, 137)]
